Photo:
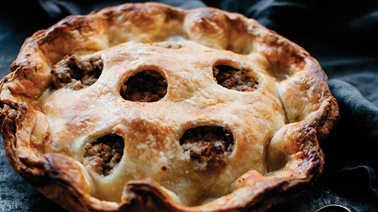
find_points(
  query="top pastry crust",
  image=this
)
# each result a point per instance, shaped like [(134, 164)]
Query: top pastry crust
[(148, 107)]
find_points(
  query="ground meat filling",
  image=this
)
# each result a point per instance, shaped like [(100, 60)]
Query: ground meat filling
[(76, 72), (145, 86), (104, 154), (233, 78), (209, 147)]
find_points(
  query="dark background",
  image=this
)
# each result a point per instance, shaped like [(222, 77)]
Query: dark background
[(342, 35)]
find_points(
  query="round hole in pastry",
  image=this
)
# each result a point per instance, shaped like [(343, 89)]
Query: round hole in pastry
[(76, 72), (104, 154), (209, 147), (145, 86), (234, 78)]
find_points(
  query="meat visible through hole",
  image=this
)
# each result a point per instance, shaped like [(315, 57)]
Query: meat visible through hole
[(233, 78), (104, 154), (145, 86), (77, 72), (209, 147)]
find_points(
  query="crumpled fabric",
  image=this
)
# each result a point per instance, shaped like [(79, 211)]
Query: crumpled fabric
[(341, 35)]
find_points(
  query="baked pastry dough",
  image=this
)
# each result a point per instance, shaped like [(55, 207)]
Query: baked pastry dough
[(148, 107)]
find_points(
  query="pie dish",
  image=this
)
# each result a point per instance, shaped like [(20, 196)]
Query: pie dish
[(147, 107)]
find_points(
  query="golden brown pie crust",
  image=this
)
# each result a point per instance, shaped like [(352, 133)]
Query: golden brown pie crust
[(69, 90)]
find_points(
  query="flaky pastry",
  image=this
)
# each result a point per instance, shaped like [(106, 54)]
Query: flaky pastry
[(144, 106)]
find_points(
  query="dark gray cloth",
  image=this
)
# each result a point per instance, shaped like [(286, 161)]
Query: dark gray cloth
[(342, 35)]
